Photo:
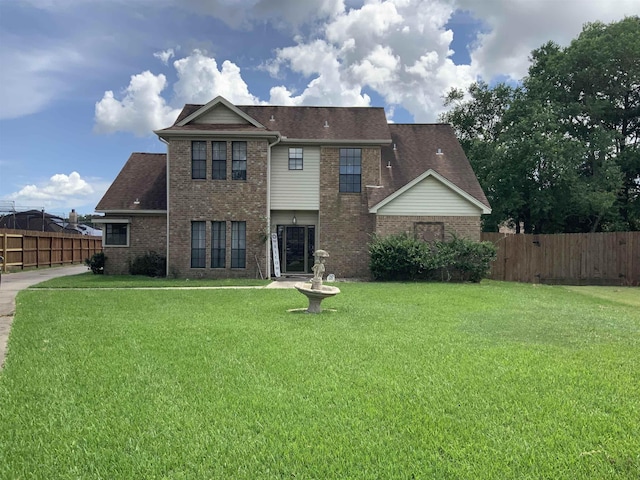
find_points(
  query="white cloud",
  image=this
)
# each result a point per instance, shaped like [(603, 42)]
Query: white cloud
[(398, 48), (199, 81), (141, 111), (165, 55), (516, 27), (61, 192)]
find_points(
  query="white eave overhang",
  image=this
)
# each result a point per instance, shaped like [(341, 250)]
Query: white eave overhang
[(431, 173), (167, 133), (335, 141), (126, 212)]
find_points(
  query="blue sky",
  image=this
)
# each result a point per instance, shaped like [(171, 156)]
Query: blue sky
[(84, 82)]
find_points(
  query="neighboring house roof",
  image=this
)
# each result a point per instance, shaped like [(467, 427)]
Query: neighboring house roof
[(414, 151), (37, 220), (141, 185), (334, 124)]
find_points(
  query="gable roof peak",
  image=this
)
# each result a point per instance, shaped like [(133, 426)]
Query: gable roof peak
[(219, 100)]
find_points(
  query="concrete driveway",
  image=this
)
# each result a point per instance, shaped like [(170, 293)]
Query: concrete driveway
[(12, 283)]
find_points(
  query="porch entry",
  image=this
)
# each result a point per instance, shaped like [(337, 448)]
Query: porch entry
[(296, 244)]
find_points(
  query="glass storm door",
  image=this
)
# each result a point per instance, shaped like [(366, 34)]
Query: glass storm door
[(296, 244)]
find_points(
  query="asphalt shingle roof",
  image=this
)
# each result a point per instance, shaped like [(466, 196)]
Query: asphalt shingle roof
[(416, 150), (143, 177)]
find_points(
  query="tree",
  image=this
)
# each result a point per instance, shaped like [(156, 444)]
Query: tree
[(560, 153)]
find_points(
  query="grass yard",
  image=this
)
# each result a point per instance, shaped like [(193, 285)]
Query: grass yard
[(478, 381), (90, 280)]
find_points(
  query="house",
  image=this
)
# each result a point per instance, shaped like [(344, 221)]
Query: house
[(316, 177)]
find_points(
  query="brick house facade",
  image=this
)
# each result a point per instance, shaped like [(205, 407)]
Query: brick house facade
[(313, 177)]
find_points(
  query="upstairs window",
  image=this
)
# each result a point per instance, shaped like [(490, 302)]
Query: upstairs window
[(198, 245), (350, 170), (219, 155), (295, 158), (238, 244), (239, 161), (218, 244), (199, 160)]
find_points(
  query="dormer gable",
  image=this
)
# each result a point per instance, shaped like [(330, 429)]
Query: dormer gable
[(221, 112)]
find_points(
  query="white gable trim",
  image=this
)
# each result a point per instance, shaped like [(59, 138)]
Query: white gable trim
[(219, 100), (440, 178)]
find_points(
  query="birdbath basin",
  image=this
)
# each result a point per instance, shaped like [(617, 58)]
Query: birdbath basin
[(316, 295)]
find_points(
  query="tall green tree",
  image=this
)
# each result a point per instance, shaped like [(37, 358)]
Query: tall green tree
[(560, 153)]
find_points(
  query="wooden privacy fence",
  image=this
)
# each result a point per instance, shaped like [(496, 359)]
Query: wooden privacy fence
[(567, 258), (25, 248)]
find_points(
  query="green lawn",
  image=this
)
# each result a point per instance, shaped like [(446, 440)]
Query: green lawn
[(89, 280), (476, 381)]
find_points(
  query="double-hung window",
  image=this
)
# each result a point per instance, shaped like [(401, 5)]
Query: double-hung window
[(350, 170), (218, 244), (239, 160), (219, 155), (295, 158), (198, 160), (238, 244), (198, 244)]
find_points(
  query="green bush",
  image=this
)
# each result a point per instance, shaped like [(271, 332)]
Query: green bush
[(96, 262), (401, 257), (151, 264)]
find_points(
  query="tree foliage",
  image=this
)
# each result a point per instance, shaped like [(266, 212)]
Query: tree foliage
[(560, 152)]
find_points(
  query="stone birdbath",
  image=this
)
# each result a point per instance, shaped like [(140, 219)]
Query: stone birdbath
[(314, 290)]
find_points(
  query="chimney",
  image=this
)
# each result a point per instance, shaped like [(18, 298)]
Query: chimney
[(73, 218)]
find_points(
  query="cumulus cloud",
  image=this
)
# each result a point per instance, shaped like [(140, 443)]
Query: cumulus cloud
[(200, 80), (141, 110), (59, 185), (513, 28), (62, 192), (399, 49)]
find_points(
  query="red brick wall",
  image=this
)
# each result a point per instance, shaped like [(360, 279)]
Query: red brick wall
[(216, 200), (146, 234), (345, 221), (468, 227)]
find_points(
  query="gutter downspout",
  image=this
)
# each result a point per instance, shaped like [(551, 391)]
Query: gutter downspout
[(268, 246), (167, 180)]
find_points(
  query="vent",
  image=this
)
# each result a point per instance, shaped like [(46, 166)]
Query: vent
[(272, 118), (439, 151), (326, 124)]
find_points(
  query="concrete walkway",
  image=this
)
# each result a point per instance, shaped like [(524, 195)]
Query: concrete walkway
[(12, 283)]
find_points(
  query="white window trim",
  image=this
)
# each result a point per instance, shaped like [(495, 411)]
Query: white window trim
[(106, 221)]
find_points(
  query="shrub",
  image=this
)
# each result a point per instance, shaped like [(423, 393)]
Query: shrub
[(151, 264), (401, 257), (96, 262)]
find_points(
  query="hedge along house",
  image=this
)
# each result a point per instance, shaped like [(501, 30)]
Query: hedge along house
[(317, 177)]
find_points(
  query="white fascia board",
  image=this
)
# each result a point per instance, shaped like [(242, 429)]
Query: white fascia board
[(440, 178), (111, 220), (128, 212), (336, 142), (218, 133), (217, 101)]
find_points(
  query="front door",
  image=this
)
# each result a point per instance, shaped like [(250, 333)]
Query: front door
[(296, 244)]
